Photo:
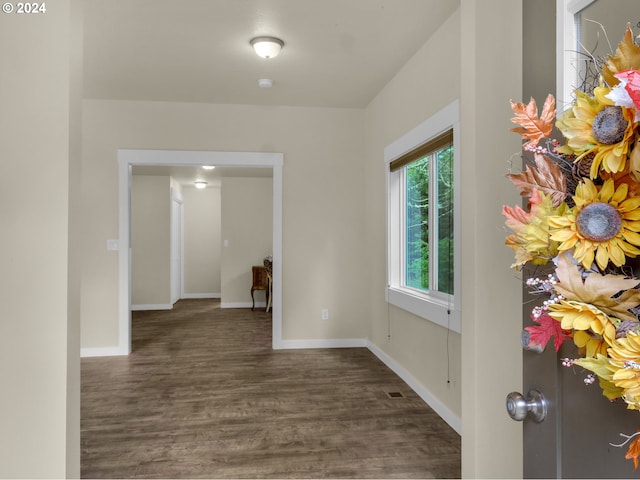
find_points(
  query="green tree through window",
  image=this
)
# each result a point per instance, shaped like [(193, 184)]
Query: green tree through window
[(417, 224), (418, 211)]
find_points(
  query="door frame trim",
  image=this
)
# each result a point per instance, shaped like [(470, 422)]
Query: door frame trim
[(176, 198), (128, 158)]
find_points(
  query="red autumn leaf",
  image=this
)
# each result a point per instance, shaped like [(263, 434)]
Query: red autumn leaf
[(633, 85), (634, 452), (534, 128), (549, 327)]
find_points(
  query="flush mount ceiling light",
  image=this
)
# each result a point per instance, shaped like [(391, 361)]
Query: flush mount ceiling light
[(267, 47), (208, 167), (200, 184)]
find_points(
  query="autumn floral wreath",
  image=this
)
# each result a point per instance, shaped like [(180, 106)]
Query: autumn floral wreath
[(583, 220)]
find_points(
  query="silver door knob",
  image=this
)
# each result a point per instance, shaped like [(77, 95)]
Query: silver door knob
[(535, 405)]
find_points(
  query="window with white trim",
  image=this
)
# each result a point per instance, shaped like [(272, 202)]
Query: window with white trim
[(423, 218)]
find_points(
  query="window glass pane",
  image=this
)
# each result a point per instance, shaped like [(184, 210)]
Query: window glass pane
[(417, 224), (444, 168)]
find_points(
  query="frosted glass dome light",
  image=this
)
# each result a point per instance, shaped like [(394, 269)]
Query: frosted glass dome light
[(267, 47)]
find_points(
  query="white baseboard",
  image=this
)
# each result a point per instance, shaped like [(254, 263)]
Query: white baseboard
[(159, 306), (102, 352), (201, 295), (242, 304), (440, 408), (328, 343)]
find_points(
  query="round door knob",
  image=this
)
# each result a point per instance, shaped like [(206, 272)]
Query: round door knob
[(534, 405)]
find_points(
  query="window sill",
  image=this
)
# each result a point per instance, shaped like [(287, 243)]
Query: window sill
[(431, 309)]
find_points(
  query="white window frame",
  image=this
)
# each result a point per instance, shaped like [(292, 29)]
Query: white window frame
[(567, 44), (436, 307)]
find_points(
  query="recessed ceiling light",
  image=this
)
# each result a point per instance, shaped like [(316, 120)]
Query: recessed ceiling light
[(267, 47), (200, 184), (208, 167)]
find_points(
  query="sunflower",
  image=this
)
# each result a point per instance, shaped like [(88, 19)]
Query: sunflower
[(593, 330), (624, 355), (604, 225), (594, 125)]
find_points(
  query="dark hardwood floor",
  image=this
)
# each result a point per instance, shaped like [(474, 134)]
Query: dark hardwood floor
[(203, 395)]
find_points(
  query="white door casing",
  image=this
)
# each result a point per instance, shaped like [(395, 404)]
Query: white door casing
[(177, 246), (128, 158)]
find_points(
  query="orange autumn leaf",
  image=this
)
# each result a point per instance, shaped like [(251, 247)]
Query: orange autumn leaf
[(634, 452), (532, 127), (627, 57), (545, 177)]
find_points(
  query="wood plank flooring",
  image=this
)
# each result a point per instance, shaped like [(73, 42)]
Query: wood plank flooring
[(203, 395)]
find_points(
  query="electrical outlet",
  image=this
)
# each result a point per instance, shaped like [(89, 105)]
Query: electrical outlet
[(325, 314)]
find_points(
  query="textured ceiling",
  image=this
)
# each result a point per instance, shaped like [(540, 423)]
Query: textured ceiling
[(337, 53)]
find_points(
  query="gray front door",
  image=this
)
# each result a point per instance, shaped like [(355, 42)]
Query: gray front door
[(573, 441)]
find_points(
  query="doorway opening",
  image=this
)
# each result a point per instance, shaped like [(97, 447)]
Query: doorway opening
[(129, 158)]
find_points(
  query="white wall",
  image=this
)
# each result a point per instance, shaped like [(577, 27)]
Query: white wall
[(247, 235), (202, 242), (323, 225), (491, 74), (429, 352), (150, 242), (39, 334), (468, 375)]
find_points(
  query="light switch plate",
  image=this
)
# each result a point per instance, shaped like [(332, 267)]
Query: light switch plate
[(113, 245)]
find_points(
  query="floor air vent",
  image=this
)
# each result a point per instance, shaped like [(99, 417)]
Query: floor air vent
[(395, 395)]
